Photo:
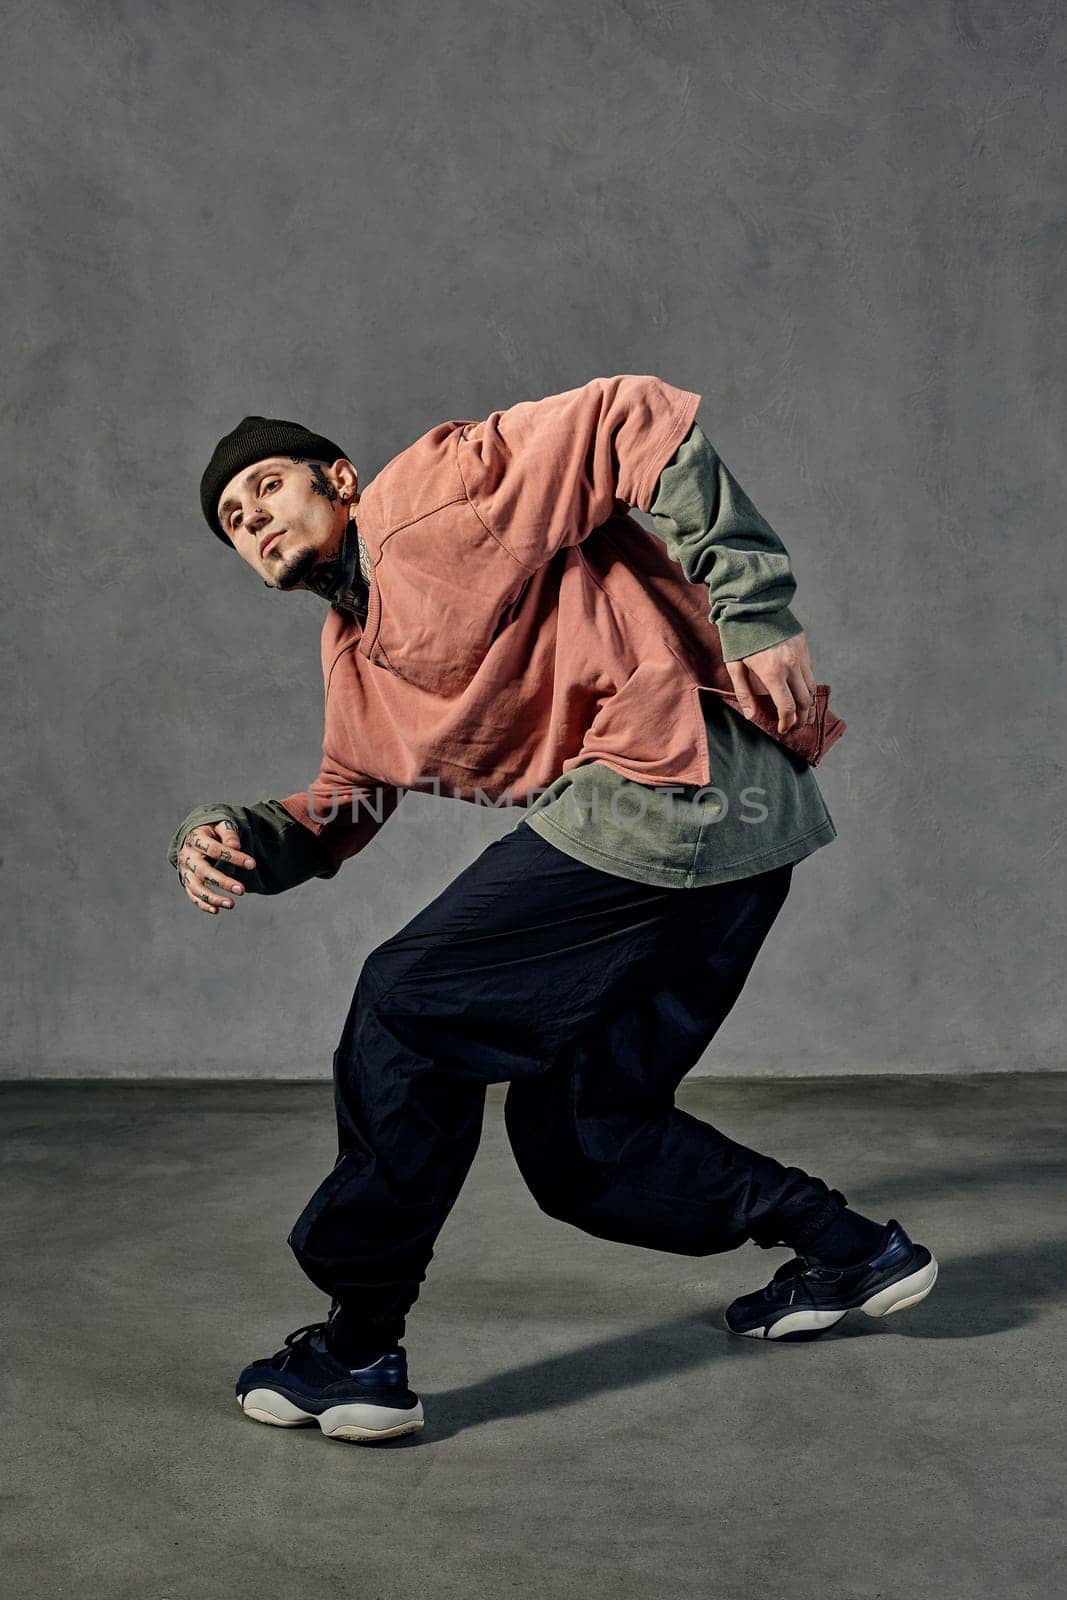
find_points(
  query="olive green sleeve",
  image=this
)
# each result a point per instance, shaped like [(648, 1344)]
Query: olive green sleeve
[(713, 530), (286, 853)]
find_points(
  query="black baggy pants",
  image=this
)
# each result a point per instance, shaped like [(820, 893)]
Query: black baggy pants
[(592, 997)]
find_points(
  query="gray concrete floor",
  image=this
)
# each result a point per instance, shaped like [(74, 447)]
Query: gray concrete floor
[(592, 1429)]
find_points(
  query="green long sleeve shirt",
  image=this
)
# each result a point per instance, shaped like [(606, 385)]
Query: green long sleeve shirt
[(764, 808)]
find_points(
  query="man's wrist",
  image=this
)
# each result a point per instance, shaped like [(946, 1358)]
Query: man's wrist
[(746, 636)]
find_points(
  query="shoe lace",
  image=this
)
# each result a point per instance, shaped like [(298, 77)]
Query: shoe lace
[(294, 1338), (789, 1276)]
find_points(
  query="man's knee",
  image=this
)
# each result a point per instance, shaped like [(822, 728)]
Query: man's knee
[(560, 1186), (379, 971), (379, 975)]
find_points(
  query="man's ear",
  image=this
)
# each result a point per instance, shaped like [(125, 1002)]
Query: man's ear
[(347, 478)]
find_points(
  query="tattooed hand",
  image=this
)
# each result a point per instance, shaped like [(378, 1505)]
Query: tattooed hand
[(207, 857)]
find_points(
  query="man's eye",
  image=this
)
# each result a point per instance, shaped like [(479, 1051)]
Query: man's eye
[(271, 481)]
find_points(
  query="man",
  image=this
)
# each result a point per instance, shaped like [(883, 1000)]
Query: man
[(501, 630)]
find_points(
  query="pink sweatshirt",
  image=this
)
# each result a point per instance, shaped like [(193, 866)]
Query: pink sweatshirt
[(520, 622)]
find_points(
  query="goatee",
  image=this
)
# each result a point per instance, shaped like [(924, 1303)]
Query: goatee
[(296, 568)]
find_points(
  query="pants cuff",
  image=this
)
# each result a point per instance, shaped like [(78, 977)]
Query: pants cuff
[(796, 1226)]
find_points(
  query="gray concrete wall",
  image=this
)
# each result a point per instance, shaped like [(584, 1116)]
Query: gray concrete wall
[(842, 223)]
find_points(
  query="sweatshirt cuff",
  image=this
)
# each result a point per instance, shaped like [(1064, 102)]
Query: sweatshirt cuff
[(285, 853), (745, 636), (201, 814)]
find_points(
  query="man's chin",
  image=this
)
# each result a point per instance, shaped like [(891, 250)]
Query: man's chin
[(295, 569)]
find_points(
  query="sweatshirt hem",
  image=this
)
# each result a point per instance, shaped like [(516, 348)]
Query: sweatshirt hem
[(664, 877)]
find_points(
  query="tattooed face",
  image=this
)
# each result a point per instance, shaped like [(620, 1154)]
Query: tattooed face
[(286, 517)]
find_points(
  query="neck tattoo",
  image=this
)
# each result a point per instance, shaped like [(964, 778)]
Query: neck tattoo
[(343, 579)]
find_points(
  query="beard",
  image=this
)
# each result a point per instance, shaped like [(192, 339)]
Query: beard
[(295, 568)]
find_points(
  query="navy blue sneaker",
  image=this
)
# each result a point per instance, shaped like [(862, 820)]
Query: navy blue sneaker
[(304, 1383), (803, 1299)]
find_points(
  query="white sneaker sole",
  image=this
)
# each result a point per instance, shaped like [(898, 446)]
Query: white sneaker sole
[(895, 1297), (360, 1422)]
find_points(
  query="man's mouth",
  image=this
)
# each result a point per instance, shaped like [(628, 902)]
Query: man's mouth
[(269, 543)]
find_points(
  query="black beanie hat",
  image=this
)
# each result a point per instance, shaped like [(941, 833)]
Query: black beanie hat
[(254, 439)]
